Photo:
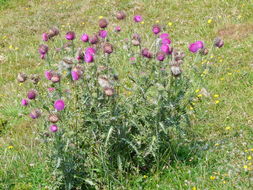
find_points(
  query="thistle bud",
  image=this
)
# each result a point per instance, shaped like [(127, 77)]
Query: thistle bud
[(103, 23), (108, 48), (22, 77), (120, 15), (45, 37)]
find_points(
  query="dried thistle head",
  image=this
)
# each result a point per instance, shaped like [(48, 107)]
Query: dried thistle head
[(21, 77), (35, 78), (53, 118), (103, 23), (108, 48)]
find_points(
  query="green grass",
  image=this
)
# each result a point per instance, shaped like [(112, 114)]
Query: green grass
[(222, 152)]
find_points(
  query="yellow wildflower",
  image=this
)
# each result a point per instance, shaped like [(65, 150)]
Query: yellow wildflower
[(245, 167), (249, 157), (170, 23), (10, 147), (10, 47), (100, 17), (212, 177), (142, 22), (229, 74), (222, 78), (209, 21), (145, 176), (200, 95), (217, 101), (157, 21), (216, 95), (194, 188), (197, 90), (228, 128)]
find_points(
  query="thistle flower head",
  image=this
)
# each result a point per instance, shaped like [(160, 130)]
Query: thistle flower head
[(45, 37), (160, 56), (35, 78), (156, 29), (32, 94), (59, 105), (43, 49), (102, 33), (24, 102), (175, 70), (120, 15), (90, 50), (88, 58), (166, 49), (94, 39), (166, 41), (108, 48), (56, 78), (54, 31), (164, 35), (85, 38), (103, 23), (70, 35), (138, 18), (22, 77), (146, 53), (218, 42), (196, 46), (117, 28), (53, 128), (35, 114), (53, 118)]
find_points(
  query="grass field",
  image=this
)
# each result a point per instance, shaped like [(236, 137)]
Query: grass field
[(222, 122)]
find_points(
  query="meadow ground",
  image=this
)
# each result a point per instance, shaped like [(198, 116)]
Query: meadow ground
[(222, 122)]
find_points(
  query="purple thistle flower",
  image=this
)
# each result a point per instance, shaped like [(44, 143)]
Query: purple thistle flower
[(53, 128), (31, 94), (24, 102), (48, 75), (90, 50), (75, 75), (164, 35), (88, 58), (195, 47), (59, 105), (160, 56), (117, 29), (43, 49), (166, 41), (156, 29), (45, 37), (103, 33), (43, 56), (94, 39), (51, 90), (85, 38), (70, 35), (166, 48), (138, 18)]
